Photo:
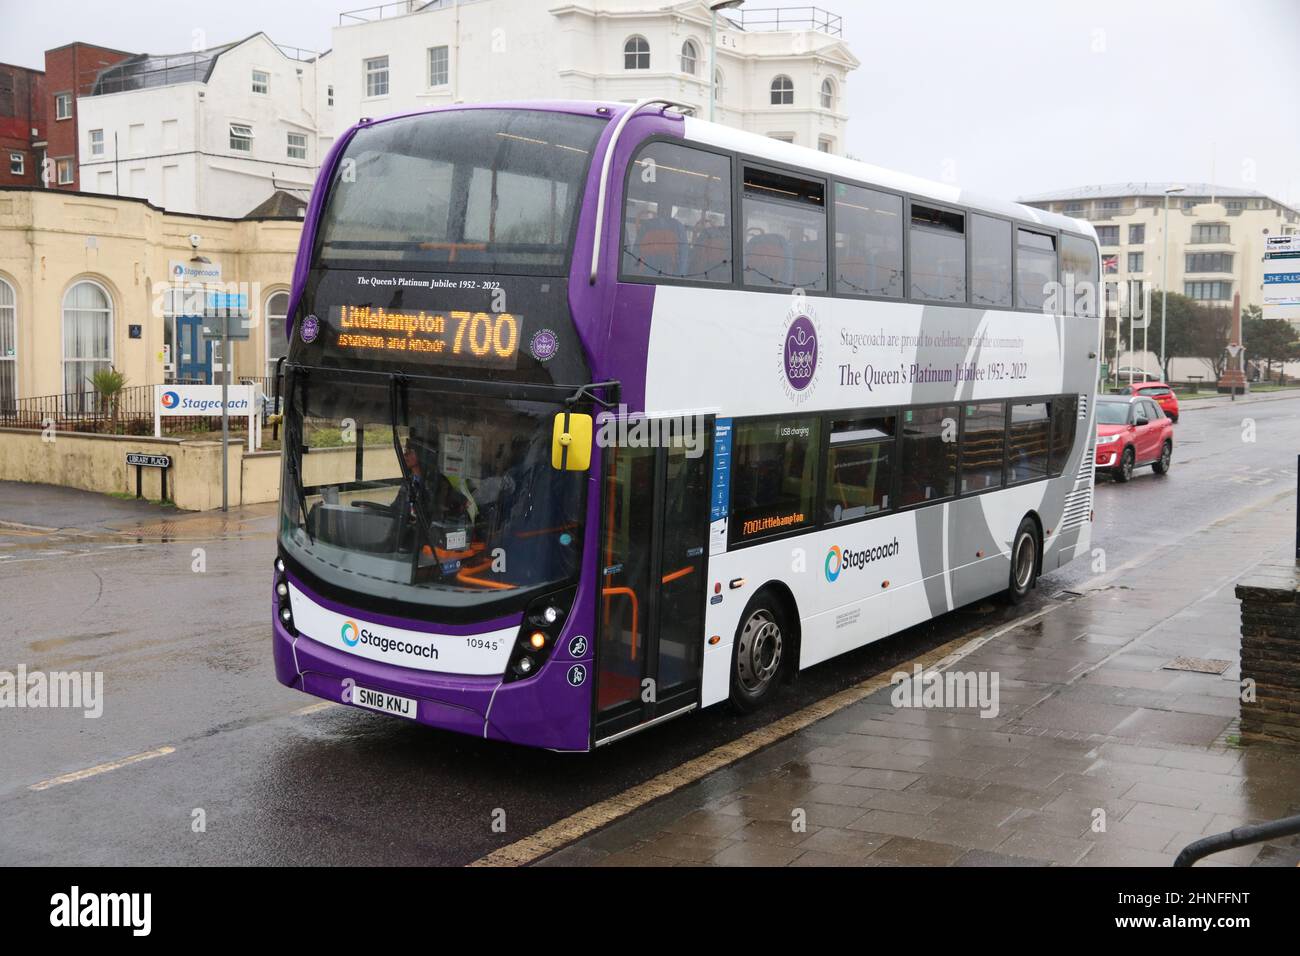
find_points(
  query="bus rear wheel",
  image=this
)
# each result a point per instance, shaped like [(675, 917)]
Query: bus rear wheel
[(758, 654), (1024, 561)]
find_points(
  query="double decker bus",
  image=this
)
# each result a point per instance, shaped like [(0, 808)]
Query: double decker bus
[(597, 414)]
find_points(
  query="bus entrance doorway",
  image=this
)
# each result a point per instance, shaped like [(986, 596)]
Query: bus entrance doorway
[(653, 561)]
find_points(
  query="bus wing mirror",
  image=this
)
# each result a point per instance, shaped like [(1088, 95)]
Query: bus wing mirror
[(571, 442)]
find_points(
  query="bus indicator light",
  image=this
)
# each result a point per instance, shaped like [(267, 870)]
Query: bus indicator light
[(537, 641), (715, 640)]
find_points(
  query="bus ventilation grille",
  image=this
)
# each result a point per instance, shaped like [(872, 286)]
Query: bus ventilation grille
[(1078, 504), (1083, 406), (1085, 466)]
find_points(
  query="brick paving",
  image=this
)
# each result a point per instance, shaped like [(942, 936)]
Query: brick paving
[(1091, 730)]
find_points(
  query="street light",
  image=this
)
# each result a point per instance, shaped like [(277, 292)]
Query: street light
[(1164, 282), (713, 48)]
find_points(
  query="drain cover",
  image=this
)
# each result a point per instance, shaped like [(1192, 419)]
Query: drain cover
[(1199, 665)]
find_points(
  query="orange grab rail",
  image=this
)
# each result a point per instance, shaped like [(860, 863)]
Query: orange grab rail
[(608, 592)]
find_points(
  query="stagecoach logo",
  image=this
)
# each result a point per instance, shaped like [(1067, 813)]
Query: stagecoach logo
[(170, 399), (840, 559), (800, 355), (544, 345), (310, 329), (350, 633)]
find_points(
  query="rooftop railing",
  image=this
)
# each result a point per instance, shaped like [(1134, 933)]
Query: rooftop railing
[(772, 19)]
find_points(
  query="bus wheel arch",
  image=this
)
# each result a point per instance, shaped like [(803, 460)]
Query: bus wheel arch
[(766, 647)]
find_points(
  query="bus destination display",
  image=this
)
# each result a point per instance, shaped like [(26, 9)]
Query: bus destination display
[(447, 337)]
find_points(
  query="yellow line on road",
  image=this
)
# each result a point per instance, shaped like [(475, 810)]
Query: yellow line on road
[(315, 708), (101, 768), (534, 847)]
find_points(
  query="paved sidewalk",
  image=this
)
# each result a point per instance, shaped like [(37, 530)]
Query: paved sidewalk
[(1092, 727)]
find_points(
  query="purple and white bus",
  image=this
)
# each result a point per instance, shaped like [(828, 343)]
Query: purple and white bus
[(597, 414)]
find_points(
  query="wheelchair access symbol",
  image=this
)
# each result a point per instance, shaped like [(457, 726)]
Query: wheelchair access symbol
[(577, 675), (578, 646)]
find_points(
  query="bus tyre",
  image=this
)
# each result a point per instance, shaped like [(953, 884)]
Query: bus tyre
[(758, 653), (1024, 561), (1161, 467), (1124, 470)]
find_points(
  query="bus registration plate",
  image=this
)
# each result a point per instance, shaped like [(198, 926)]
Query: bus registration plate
[(387, 703)]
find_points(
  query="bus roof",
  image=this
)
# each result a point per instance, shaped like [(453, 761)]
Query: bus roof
[(725, 137)]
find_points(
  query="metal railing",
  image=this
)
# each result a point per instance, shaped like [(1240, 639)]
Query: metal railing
[(129, 412), (1241, 836), (400, 8), (787, 18)]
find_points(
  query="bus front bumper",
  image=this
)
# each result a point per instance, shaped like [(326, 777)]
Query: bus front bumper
[(542, 711)]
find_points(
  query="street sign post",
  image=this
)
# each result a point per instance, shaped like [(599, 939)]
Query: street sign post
[(226, 317), (142, 461)]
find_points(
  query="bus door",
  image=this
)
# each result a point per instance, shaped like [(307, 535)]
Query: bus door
[(653, 558)]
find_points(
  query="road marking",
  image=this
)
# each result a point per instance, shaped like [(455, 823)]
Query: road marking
[(101, 768), (315, 708), (589, 819)]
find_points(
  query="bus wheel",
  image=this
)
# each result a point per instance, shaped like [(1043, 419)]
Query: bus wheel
[(1024, 561), (759, 654)]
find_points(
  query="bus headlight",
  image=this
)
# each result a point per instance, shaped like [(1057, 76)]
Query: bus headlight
[(538, 634)]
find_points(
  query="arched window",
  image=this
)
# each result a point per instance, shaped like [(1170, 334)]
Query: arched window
[(690, 57), (87, 336), (636, 53), (782, 91), (828, 94), (717, 86), (8, 347), (277, 345)]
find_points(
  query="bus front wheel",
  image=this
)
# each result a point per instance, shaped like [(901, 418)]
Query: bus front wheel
[(759, 653), (1024, 561)]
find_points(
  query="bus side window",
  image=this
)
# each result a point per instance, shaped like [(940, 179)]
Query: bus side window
[(990, 261), (868, 242), (859, 467), (1079, 276), (928, 458), (984, 428), (938, 267), (1065, 419), (1035, 268), (1027, 447), (677, 218), (785, 231), (773, 476)]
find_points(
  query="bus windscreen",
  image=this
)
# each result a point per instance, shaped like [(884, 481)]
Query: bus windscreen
[(481, 190)]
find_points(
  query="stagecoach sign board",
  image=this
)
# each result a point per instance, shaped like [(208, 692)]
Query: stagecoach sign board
[(205, 400), (1282, 277)]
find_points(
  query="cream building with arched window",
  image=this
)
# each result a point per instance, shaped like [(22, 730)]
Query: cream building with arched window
[(89, 282), (780, 71)]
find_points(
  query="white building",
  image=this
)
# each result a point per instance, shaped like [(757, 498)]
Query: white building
[(216, 132), (780, 72)]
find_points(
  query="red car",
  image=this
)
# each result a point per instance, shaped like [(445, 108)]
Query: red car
[(1132, 431), (1162, 393)]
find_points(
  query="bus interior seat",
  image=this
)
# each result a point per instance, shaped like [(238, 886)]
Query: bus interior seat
[(810, 265), (768, 255), (661, 247), (709, 254)]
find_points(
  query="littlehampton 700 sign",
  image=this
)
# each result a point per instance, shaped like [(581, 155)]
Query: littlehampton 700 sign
[(205, 400)]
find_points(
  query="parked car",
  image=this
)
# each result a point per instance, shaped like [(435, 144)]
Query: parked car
[(1132, 432), (1161, 392), (1124, 373)]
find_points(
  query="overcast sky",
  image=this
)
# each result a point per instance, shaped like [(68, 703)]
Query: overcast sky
[(1007, 97)]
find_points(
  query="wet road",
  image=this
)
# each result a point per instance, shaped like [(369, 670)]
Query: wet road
[(280, 777)]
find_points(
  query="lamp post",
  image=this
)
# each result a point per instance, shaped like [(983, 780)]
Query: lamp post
[(713, 48), (1164, 282)]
